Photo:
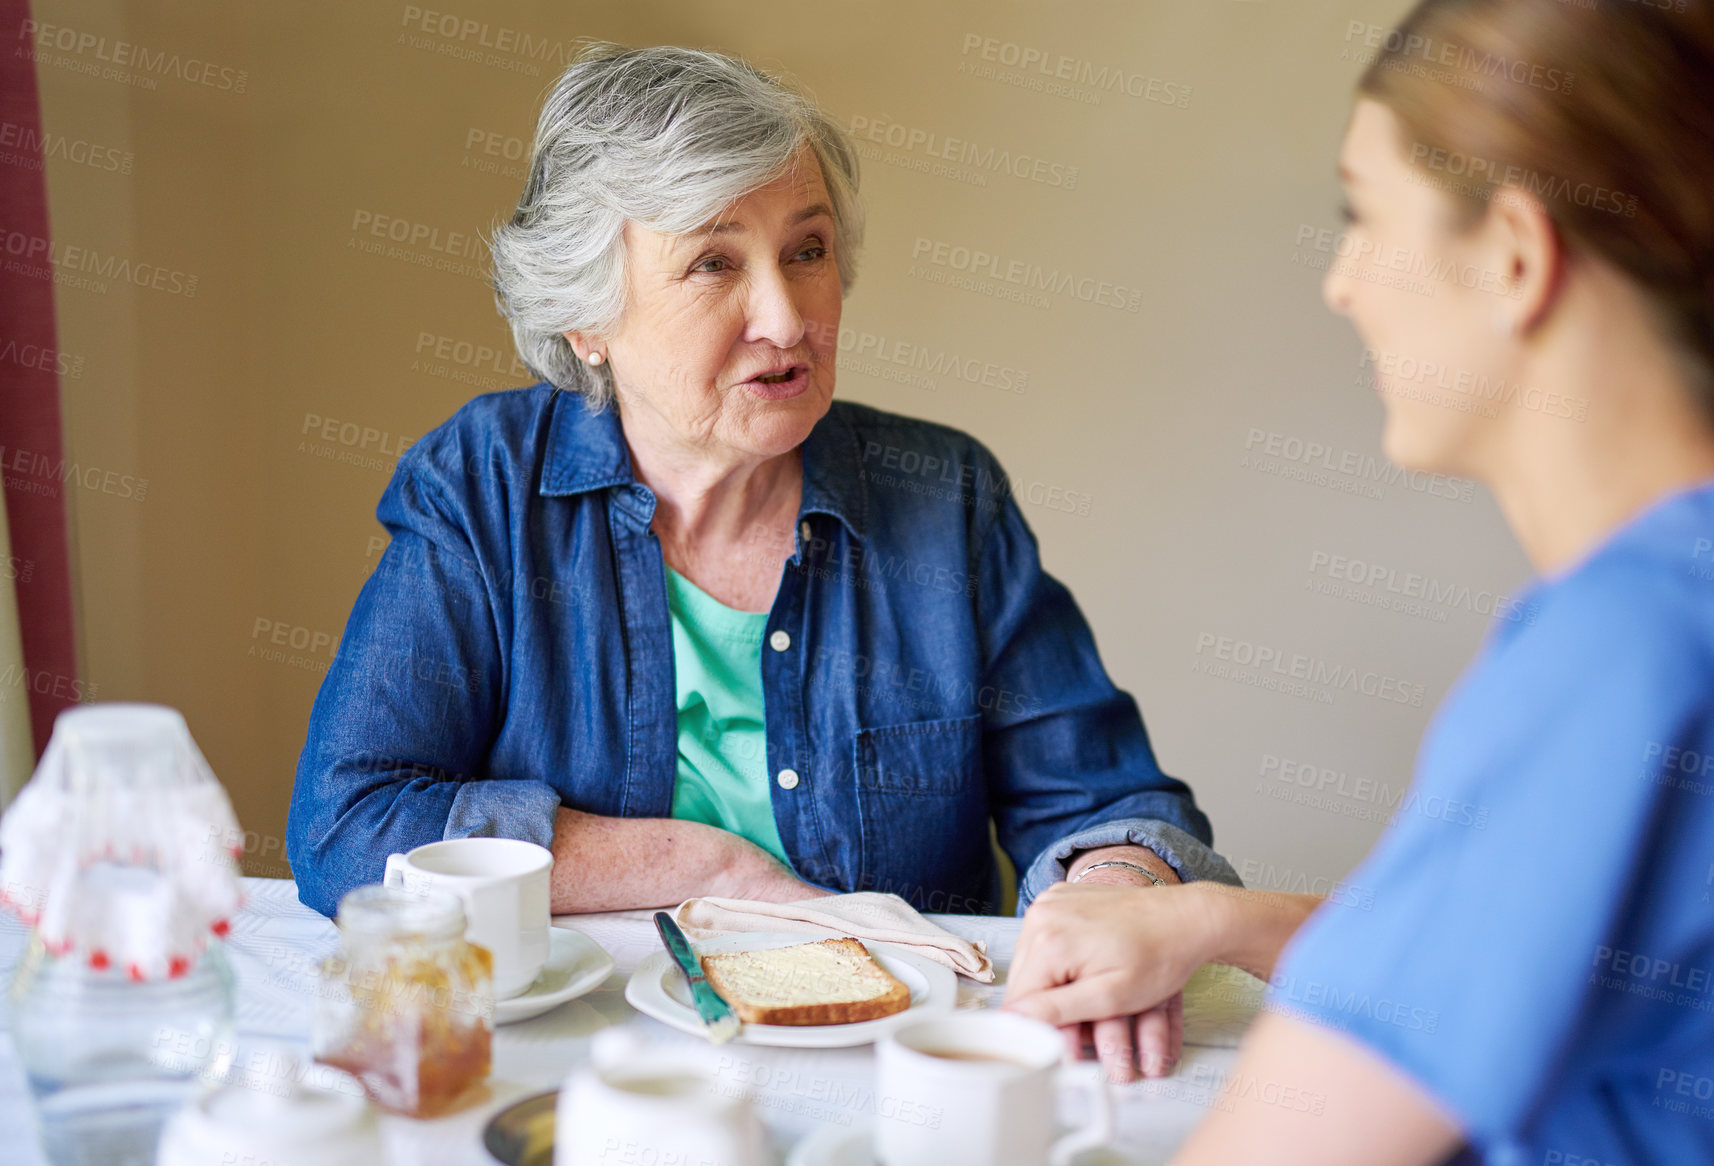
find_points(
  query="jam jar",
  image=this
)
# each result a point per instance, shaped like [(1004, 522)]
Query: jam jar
[(406, 1004)]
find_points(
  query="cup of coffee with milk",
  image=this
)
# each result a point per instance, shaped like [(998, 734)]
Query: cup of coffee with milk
[(979, 1089), (504, 885)]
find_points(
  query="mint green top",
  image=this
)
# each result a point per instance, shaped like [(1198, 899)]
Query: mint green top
[(722, 739)]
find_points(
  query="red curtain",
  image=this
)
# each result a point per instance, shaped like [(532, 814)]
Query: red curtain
[(31, 445)]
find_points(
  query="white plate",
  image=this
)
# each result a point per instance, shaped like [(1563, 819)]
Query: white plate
[(576, 964), (657, 989)]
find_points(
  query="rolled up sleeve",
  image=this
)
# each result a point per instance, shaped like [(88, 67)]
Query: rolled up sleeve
[(397, 753), (1190, 858), (1070, 764)]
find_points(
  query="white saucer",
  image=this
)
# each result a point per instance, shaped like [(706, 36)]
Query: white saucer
[(657, 989), (576, 964)]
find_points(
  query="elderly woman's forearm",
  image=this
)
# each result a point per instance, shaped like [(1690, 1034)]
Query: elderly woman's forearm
[(617, 864)]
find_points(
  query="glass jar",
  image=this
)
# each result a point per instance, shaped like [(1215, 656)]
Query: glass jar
[(109, 1058), (406, 1005), (121, 1008)]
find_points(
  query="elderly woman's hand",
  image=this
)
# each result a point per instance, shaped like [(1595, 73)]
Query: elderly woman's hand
[(1116, 958)]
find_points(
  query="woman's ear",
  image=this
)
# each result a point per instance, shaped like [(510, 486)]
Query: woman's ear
[(585, 346), (1531, 259)]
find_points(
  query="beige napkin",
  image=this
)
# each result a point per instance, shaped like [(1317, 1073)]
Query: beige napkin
[(870, 915)]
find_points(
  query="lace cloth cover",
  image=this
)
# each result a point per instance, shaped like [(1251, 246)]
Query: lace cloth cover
[(122, 848)]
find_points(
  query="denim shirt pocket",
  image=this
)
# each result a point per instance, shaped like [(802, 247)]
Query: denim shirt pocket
[(923, 811)]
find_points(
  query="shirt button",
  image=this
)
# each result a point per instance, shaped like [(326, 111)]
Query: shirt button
[(803, 529), (779, 641), (788, 779)]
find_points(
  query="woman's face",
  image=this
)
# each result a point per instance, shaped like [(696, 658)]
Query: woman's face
[(728, 339), (1430, 297)]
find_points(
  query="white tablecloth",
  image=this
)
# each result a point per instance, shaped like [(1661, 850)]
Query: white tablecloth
[(276, 945)]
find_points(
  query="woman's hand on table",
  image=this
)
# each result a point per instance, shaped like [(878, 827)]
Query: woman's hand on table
[(1145, 1040), (1106, 954), (1150, 1041)]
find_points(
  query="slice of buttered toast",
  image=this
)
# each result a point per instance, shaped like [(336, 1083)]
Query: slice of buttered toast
[(834, 981)]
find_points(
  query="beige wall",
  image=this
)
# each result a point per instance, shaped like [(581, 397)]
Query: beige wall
[(1135, 435)]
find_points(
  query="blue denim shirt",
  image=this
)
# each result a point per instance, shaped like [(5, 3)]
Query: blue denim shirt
[(512, 652)]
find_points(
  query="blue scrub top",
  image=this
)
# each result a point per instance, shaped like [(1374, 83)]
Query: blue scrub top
[(1544, 967)]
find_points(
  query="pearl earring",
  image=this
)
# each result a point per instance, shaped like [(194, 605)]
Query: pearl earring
[(596, 358)]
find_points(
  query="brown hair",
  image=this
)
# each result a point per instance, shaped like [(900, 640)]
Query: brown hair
[(1602, 109)]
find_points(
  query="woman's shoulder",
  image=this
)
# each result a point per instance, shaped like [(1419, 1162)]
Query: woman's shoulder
[(894, 446), (497, 436), (1648, 590), (1622, 645)]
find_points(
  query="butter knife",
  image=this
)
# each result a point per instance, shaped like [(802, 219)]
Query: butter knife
[(717, 1015)]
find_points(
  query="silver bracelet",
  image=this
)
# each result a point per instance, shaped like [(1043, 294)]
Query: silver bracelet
[(1142, 870)]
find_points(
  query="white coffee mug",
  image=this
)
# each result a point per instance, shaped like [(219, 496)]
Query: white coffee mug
[(504, 885), (636, 1102), (979, 1089)]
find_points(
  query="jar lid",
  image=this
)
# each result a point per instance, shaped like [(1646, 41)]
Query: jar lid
[(121, 850), (383, 912)]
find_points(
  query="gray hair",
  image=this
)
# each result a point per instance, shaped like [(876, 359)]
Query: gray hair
[(663, 137)]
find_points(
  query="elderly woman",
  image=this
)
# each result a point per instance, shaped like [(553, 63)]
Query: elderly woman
[(678, 615)]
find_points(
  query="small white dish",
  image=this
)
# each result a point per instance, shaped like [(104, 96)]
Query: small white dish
[(657, 989), (576, 965)]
